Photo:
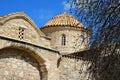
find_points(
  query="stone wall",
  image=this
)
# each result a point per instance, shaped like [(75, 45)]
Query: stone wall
[(76, 40), (73, 69), (21, 29), (46, 57), (18, 65)]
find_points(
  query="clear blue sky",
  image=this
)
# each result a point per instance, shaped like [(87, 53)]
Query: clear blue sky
[(40, 11)]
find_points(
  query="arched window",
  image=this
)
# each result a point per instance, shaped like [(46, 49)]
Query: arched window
[(63, 39)]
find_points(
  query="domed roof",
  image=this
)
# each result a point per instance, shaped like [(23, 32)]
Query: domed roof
[(63, 20)]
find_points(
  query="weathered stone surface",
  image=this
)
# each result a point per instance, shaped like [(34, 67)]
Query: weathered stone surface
[(26, 53), (17, 65), (71, 69), (74, 41)]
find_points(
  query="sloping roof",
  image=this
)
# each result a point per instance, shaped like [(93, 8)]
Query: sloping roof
[(63, 20), (5, 18)]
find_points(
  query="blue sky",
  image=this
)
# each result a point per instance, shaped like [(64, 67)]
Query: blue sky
[(40, 11)]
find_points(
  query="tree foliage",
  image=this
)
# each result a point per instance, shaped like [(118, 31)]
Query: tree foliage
[(101, 16)]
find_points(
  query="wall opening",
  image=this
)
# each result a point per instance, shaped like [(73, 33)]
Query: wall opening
[(21, 33), (63, 39)]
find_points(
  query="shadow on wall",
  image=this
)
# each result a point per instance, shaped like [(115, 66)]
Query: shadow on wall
[(105, 61)]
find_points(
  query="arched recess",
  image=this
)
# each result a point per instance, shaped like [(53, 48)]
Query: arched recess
[(20, 63)]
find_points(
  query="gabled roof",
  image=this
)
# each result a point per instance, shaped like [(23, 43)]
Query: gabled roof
[(19, 15)]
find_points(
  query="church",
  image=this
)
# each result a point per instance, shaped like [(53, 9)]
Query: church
[(31, 53)]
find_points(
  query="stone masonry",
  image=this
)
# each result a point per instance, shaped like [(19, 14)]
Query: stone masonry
[(17, 65), (30, 53)]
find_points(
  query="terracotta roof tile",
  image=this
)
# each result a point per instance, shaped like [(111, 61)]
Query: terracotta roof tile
[(64, 20)]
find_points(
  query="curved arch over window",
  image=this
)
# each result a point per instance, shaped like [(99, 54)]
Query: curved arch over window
[(63, 39)]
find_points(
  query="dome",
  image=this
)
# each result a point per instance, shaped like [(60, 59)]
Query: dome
[(63, 20)]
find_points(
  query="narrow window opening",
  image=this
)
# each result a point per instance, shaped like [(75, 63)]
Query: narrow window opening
[(21, 33), (63, 39)]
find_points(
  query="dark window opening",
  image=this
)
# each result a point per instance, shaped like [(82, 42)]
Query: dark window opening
[(21, 33), (63, 39)]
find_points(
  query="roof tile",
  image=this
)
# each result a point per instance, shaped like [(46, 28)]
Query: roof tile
[(64, 20)]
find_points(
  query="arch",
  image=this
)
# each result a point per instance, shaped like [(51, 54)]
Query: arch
[(20, 15), (63, 39), (33, 55)]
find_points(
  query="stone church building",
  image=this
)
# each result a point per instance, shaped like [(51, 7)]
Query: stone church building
[(30, 53)]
